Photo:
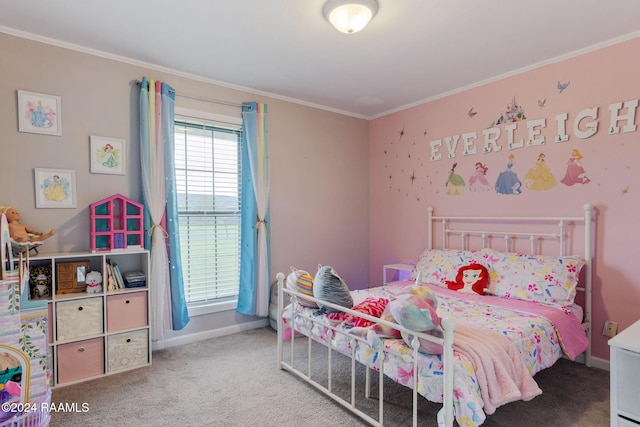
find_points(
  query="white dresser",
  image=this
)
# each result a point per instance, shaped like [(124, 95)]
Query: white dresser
[(625, 377)]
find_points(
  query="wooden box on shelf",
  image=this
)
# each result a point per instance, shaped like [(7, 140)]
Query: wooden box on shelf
[(70, 276)]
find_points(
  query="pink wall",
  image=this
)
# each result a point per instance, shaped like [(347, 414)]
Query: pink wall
[(400, 149)]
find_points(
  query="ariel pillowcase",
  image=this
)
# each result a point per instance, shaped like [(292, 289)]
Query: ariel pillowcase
[(438, 266)]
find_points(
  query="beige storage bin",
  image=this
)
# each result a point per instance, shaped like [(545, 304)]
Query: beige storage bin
[(79, 318), (127, 350)]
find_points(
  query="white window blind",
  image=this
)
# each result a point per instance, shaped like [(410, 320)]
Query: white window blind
[(208, 180)]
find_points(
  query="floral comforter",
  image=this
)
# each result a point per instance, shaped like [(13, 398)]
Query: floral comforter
[(535, 337)]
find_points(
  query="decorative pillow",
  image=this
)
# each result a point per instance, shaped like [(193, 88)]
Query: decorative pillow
[(302, 282), (418, 314), (371, 306), (546, 279), (330, 287), (420, 291), (437, 266)]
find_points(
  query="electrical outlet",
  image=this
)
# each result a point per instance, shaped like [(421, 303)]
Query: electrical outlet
[(610, 329)]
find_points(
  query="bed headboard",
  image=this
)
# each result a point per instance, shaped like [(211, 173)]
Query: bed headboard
[(533, 235)]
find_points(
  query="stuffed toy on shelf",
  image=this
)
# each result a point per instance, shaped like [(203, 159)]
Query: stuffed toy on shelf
[(94, 282)]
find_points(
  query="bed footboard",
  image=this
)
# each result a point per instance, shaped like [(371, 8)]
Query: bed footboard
[(444, 417)]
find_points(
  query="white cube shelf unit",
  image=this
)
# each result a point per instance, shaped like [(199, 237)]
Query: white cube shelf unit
[(97, 334)]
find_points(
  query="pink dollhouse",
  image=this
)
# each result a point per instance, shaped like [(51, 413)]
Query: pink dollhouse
[(116, 224)]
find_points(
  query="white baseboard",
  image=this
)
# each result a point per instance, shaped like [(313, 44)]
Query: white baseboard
[(205, 335), (596, 362)]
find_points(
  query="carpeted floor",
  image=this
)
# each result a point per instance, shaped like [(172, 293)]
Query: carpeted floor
[(234, 381)]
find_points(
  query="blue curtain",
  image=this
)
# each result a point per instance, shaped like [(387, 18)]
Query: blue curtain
[(179, 311), (246, 296), (161, 219), (253, 298)]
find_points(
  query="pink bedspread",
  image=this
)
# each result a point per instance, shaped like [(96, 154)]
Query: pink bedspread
[(570, 332), (502, 375)]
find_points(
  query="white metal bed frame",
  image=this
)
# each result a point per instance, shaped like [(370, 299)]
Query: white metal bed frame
[(449, 230)]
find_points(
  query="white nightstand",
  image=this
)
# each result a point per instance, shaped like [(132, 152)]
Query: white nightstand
[(625, 377), (395, 267)]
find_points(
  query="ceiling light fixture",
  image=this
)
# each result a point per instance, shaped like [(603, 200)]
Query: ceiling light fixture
[(350, 16)]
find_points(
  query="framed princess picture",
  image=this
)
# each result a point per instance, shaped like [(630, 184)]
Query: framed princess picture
[(55, 188), (39, 113), (107, 155)]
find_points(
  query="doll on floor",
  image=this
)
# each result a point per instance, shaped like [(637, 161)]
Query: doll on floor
[(471, 278)]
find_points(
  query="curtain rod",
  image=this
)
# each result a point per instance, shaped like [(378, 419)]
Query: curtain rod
[(212, 101)]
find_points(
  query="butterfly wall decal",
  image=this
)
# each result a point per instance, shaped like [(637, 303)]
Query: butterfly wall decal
[(542, 103), (472, 113), (562, 86)]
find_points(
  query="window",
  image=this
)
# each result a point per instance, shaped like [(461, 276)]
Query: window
[(208, 181)]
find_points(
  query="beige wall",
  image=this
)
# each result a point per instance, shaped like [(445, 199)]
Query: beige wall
[(318, 159)]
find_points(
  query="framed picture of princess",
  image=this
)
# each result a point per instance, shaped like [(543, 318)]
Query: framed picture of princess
[(39, 113), (107, 155), (55, 188)]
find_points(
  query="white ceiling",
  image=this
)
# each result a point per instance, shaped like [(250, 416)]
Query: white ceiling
[(411, 52)]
